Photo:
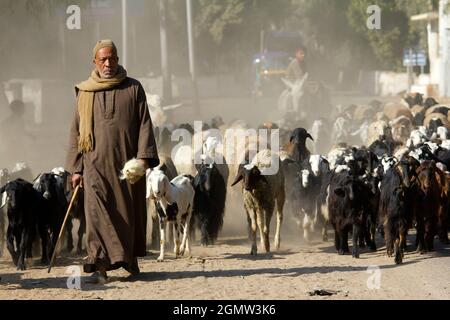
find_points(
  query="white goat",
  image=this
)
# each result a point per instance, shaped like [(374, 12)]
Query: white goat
[(416, 138), (174, 201)]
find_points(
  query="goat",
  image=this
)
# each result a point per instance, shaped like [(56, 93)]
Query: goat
[(174, 204), (260, 193), (168, 168), (209, 202), (22, 203), (52, 189), (345, 206), (299, 152), (397, 203), (429, 181)]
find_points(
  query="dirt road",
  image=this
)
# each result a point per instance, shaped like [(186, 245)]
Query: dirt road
[(227, 271)]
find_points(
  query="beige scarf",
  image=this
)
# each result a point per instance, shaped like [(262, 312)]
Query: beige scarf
[(86, 104)]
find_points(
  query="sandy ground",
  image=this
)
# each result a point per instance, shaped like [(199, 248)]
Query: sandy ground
[(227, 271)]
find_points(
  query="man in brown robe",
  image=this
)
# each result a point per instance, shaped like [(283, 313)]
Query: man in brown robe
[(111, 126)]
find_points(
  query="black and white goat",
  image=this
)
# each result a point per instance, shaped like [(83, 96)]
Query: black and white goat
[(174, 204)]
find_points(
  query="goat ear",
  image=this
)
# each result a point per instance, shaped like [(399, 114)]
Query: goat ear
[(3, 198), (163, 168), (287, 161), (196, 181), (239, 177), (339, 192)]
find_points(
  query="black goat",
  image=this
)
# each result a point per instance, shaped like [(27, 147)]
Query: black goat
[(397, 205), (298, 151), (209, 202), (414, 99), (52, 189), (23, 206), (345, 206)]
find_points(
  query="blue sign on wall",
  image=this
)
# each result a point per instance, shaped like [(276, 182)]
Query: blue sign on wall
[(414, 57)]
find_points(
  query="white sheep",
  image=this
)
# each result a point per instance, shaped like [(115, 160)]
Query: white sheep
[(416, 138), (445, 144), (174, 201)]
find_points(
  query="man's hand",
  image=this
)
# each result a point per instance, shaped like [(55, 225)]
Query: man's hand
[(77, 179), (144, 163)]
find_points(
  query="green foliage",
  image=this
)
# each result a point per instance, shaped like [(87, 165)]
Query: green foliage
[(397, 31)]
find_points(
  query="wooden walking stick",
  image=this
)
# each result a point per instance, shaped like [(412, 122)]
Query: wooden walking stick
[(75, 193)]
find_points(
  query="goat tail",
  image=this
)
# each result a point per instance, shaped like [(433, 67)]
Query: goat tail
[(190, 177)]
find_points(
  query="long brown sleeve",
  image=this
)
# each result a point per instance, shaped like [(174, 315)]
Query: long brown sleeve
[(74, 159), (146, 144)]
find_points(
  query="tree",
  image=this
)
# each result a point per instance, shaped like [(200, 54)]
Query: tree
[(397, 32)]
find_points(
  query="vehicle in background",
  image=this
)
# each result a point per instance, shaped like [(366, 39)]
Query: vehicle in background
[(277, 49)]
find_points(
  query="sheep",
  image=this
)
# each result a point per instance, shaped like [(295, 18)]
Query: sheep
[(376, 130), (401, 128), (174, 203), (394, 110), (436, 120), (416, 138), (260, 192), (440, 109)]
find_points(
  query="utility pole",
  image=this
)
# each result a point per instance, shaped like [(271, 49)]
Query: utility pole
[(192, 55), (410, 69), (167, 81), (124, 34)]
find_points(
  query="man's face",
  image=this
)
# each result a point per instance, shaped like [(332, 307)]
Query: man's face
[(106, 62), (300, 55)]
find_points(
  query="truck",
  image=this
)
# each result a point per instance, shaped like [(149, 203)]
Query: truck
[(277, 49)]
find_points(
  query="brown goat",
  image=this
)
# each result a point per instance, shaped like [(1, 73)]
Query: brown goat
[(429, 196)]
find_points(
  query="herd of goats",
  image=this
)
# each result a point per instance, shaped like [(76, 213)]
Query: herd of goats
[(368, 169)]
